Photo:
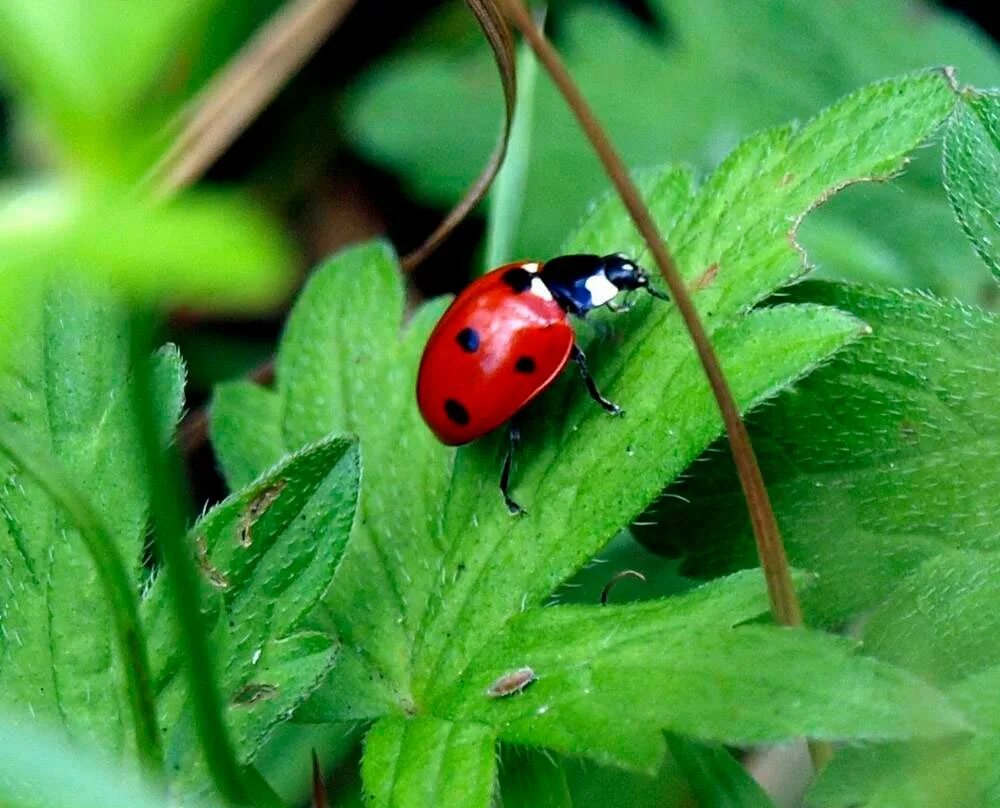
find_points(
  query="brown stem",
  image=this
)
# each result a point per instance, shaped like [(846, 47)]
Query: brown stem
[(238, 93), (784, 603)]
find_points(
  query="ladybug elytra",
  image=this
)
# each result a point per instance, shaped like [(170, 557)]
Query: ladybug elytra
[(507, 336)]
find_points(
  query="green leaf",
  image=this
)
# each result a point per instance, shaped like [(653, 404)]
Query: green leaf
[(924, 775), (267, 555), (39, 769), (716, 777), (972, 172), (618, 674), (64, 367), (245, 430), (732, 241), (426, 761), (91, 69), (895, 436), (531, 779), (343, 366), (941, 622), (205, 249), (717, 75)]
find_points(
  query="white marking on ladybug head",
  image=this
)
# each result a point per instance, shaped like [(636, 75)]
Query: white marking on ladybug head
[(539, 289), (531, 266), (601, 289)]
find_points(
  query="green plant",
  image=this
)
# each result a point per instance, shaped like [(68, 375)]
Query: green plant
[(363, 578)]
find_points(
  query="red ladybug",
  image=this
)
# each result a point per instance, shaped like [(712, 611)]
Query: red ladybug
[(506, 337)]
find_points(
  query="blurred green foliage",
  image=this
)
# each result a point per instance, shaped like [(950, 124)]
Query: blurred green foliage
[(97, 85), (706, 75)]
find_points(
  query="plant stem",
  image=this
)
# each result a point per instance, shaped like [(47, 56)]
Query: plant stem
[(784, 603), (118, 589), (167, 518)]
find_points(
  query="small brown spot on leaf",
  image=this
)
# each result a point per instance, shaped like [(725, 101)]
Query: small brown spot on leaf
[(254, 692), (786, 179), (511, 683), (215, 576), (706, 279), (256, 508)]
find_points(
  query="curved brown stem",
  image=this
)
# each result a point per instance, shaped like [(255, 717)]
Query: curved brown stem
[(784, 602)]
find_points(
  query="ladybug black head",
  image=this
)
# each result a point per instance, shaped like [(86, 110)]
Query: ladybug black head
[(624, 273)]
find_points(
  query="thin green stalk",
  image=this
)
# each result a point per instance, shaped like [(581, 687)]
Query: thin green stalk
[(118, 590), (167, 517), (507, 194)]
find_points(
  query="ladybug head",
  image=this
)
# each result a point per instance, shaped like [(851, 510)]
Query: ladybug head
[(624, 273)]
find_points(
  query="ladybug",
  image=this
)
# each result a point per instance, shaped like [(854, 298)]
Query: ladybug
[(507, 336)]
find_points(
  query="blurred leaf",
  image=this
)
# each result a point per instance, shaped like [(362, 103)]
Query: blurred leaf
[(972, 172), (91, 68), (896, 437), (246, 431), (506, 197), (438, 575), (591, 784), (267, 555), (941, 621), (531, 779), (723, 72), (716, 777), (41, 770), (425, 761), (960, 772), (207, 250), (619, 673), (64, 367)]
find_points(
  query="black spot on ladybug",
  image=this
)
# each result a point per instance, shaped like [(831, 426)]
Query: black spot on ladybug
[(456, 412), (518, 279), (525, 365), (468, 338)]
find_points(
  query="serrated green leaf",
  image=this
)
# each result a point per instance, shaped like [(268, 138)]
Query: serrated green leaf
[(267, 555), (896, 437), (333, 375), (39, 769), (426, 761), (64, 367), (715, 776), (718, 74), (438, 573), (618, 674), (204, 249), (494, 566), (972, 172)]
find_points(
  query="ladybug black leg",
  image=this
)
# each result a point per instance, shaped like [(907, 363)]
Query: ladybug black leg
[(508, 461), (588, 380)]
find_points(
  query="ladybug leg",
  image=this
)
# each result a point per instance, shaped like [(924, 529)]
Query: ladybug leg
[(508, 461), (620, 308), (581, 361)]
